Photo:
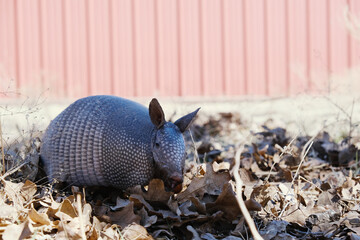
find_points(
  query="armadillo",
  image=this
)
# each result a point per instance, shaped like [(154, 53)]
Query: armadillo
[(112, 141)]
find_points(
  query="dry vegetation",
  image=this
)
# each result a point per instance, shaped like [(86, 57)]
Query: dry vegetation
[(295, 187)]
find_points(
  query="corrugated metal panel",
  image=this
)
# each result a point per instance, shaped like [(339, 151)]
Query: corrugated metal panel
[(297, 46), (174, 47)]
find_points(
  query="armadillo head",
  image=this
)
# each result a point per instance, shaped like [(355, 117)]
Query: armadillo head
[(168, 146)]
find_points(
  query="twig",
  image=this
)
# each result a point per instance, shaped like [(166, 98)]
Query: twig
[(239, 185), (195, 148), (303, 155), (2, 150), (348, 115), (301, 177), (350, 120), (81, 222), (63, 226), (283, 151), (11, 171), (315, 167), (283, 210)]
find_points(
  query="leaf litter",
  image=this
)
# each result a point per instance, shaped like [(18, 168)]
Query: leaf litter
[(290, 194)]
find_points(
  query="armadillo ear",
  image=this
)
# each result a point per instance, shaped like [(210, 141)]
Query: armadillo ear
[(156, 113), (184, 122)]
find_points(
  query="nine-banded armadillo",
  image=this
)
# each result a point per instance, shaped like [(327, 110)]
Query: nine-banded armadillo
[(112, 141)]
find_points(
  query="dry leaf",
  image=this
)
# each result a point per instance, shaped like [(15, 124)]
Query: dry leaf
[(66, 211), (146, 220), (8, 212), (200, 207), (273, 229), (156, 192), (211, 183), (125, 216), (41, 218), (86, 214), (68, 208), (97, 224), (20, 231), (12, 191), (69, 229), (93, 234), (120, 203), (28, 190), (111, 232), (325, 198), (220, 166), (139, 201), (252, 205), (185, 211), (226, 202), (135, 231)]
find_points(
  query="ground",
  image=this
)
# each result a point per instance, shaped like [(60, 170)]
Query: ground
[(299, 166)]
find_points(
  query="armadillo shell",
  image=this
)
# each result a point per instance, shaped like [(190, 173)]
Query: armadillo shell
[(99, 141)]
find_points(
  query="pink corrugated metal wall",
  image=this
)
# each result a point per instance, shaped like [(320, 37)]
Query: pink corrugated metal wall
[(174, 47)]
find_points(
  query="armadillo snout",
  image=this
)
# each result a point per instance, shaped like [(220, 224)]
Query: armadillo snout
[(175, 182)]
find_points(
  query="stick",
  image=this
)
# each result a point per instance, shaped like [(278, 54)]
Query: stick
[(195, 148), (11, 171), (286, 148), (81, 221), (239, 185), (304, 152)]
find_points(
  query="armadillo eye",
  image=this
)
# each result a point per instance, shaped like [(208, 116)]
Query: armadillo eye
[(157, 144)]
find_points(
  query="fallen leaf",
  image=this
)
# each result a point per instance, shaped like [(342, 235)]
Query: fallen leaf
[(273, 228), (220, 166), (111, 232), (120, 203), (207, 236), (86, 214), (21, 231), (139, 201), (125, 216), (195, 235), (161, 232), (135, 231), (97, 225), (226, 202), (264, 193), (41, 218), (295, 215), (12, 191), (185, 211), (93, 234), (211, 183), (156, 192), (28, 190), (328, 199), (8, 212), (146, 220), (66, 211), (69, 229), (354, 236), (252, 205), (200, 207)]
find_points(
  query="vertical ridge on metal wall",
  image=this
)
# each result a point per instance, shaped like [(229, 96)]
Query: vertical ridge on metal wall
[(111, 44), (65, 73), (201, 47), (179, 49)]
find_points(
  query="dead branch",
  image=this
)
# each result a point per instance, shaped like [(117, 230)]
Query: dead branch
[(239, 185)]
